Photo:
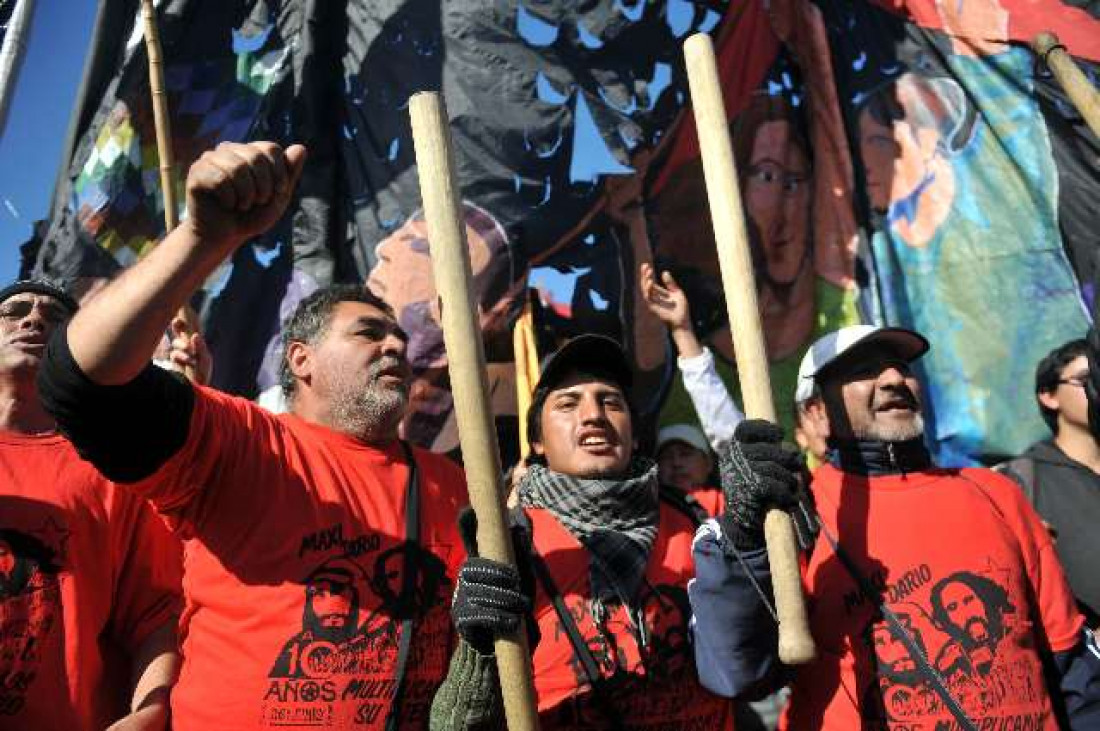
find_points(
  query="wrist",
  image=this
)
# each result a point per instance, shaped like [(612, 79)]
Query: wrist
[(687, 345)]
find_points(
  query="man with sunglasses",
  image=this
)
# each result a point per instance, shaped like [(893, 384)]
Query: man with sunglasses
[(1061, 475), (947, 574)]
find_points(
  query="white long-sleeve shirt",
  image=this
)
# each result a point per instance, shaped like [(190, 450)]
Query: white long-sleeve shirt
[(718, 415)]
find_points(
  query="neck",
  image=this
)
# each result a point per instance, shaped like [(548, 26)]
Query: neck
[(874, 458), (1079, 445), (21, 410)]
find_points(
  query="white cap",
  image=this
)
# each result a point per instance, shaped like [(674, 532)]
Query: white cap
[(826, 349), (686, 433)]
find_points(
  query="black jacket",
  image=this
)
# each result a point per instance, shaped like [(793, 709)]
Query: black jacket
[(1066, 494)]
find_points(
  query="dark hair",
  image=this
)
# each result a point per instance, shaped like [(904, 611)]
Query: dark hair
[(992, 595), (538, 400), (1049, 373), (311, 319)]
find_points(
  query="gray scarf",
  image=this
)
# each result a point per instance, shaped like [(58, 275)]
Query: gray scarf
[(615, 520)]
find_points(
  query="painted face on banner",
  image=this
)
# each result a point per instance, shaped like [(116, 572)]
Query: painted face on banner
[(777, 200)]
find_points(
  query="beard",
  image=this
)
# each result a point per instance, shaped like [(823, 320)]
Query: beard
[(912, 429), (368, 407)]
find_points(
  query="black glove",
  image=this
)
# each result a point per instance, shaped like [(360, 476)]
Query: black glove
[(490, 598), (759, 473)]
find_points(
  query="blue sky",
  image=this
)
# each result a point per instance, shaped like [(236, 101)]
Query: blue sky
[(38, 118)]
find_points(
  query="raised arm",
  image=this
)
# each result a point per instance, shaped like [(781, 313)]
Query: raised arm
[(717, 412), (234, 192)]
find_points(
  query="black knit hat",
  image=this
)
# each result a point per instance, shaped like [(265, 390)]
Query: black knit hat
[(40, 286)]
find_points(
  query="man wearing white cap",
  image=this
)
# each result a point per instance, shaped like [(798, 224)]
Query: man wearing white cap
[(935, 596), (684, 467)]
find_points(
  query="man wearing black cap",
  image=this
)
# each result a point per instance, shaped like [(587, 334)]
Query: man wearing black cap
[(946, 574), (610, 564), (89, 577)]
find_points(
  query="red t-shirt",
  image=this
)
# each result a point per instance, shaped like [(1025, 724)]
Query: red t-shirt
[(710, 498), (293, 572), (964, 562), (649, 688), (87, 571)]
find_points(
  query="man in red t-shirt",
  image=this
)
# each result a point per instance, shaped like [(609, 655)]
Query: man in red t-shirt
[(319, 552), (610, 563), (935, 596), (89, 576)]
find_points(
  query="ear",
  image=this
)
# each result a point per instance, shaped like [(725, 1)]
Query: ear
[(1048, 400), (299, 359), (536, 447), (819, 416)]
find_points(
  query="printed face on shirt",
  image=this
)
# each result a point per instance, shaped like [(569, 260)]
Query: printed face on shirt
[(332, 603), (683, 466), (873, 396), (359, 369), (586, 428), (27, 321)]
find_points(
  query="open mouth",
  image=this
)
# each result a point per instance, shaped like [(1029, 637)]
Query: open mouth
[(596, 442), (897, 404)]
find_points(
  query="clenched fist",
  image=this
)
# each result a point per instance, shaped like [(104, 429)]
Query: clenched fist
[(239, 190)]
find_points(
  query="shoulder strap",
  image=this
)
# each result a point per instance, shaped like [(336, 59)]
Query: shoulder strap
[(408, 586), (572, 631), (898, 630)]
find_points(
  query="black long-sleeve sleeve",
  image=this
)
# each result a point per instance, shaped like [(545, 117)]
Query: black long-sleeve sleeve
[(126, 431)]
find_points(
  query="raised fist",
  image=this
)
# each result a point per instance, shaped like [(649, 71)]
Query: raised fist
[(239, 190)]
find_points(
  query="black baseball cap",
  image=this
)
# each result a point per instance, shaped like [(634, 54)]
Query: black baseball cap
[(587, 352), (40, 286)]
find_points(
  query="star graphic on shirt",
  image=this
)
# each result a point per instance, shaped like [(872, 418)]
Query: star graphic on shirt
[(56, 536)]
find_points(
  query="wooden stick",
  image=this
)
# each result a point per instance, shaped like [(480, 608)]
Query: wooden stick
[(469, 381), (1083, 94), (165, 156), (160, 115), (796, 646)]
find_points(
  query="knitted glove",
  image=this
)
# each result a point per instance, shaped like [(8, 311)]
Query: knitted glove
[(759, 473), (489, 599)]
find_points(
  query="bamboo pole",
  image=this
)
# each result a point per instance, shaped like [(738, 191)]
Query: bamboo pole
[(165, 156), (1077, 87), (469, 381), (796, 646)]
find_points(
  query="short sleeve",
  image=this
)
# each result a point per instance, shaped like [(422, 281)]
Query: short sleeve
[(148, 582), (1057, 609), (225, 442)]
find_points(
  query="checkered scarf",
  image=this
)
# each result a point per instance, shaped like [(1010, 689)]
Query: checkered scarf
[(615, 520)]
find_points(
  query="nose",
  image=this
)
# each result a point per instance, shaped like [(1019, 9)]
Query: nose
[(395, 345), (590, 409), (35, 317), (892, 377)]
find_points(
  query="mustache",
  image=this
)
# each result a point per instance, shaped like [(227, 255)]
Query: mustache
[(899, 395), (388, 363)]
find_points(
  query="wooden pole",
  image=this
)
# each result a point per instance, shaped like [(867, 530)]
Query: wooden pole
[(469, 382), (165, 156), (796, 646), (160, 115), (1083, 94)]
